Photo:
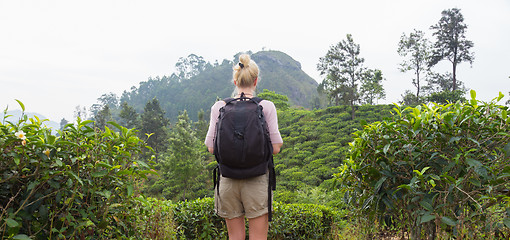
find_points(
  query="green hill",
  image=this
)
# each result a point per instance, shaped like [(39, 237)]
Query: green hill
[(278, 72), (315, 145)]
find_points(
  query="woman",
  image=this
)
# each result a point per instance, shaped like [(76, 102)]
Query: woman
[(242, 198)]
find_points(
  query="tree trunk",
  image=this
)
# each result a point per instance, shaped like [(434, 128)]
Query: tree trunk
[(353, 109), (454, 76)]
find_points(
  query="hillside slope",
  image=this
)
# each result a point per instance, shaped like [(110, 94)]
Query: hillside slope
[(278, 72)]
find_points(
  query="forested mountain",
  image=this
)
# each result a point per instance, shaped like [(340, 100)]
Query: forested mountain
[(199, 87)]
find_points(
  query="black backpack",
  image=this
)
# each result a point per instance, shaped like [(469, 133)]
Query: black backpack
[(242, 145)]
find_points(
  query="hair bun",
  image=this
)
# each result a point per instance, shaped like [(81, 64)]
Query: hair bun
[(245, 59)]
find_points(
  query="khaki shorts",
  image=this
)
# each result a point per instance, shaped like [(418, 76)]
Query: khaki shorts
[(242, 197)]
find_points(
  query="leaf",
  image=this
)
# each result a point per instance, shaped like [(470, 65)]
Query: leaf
[(475, 182), (424, 169), (501, 95), (21, 104), (427, 218), (100, 173), (426, 204), (506, 221), (473, 94), (129, 190), (124, 172), (386, 147), (481, 171), (379, 184), (115, 125), (143, 164), (448, 221), (105, 193), (507, 150), (103, 164), (21, 237), (11, 223), (435, 177), (32, 185), (454, 139), (473, 163), (86, 122), (73, 175), (405, 186)]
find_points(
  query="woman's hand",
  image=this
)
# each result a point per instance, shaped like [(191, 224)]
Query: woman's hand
[(277, 147)]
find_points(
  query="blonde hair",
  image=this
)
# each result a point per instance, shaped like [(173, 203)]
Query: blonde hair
[(245, 72)]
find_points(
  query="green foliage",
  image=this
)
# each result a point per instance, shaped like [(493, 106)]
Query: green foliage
[(281, 73), (416, 49), (182, 164), (451, 43), (190, 66), (278, 72), (315, 143), (152, 218), (346, 80), (342, 68), (196, 220), (446, 97), (436, 170), (153, 127), (281, 102), (302, 221), (371, 87), (128, 116), (77, 184), (102, 117)]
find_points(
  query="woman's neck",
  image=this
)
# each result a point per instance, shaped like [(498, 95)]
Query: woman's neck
[(247, 92)]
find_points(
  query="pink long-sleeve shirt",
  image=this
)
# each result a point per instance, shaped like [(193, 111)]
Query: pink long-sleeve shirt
[(269, 113)]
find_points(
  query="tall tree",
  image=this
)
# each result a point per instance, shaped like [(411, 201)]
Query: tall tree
[(102, 117), (201, 126), (109, 99), (371, 86), (153, 127), (80, 112), (415, 48), (182, 163), (342, 69), (190, 66), (439, 89), (128, 115), (63, 123), (451, 43)]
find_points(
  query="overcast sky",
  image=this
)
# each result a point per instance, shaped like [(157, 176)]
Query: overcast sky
[(55, 55)]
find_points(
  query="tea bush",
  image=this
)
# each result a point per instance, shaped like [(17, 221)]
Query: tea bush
[(196, 220), (433, 171), (80, 183)]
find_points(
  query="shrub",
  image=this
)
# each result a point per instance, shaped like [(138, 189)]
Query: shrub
[(77, 184), (196, 220), (152, 218), (302, 221), (434, 170)]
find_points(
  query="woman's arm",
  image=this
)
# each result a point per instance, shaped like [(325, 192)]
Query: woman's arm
[(277, 147)]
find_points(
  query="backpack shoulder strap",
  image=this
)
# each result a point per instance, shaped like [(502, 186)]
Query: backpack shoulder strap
[(228, 100), (257, 99)]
